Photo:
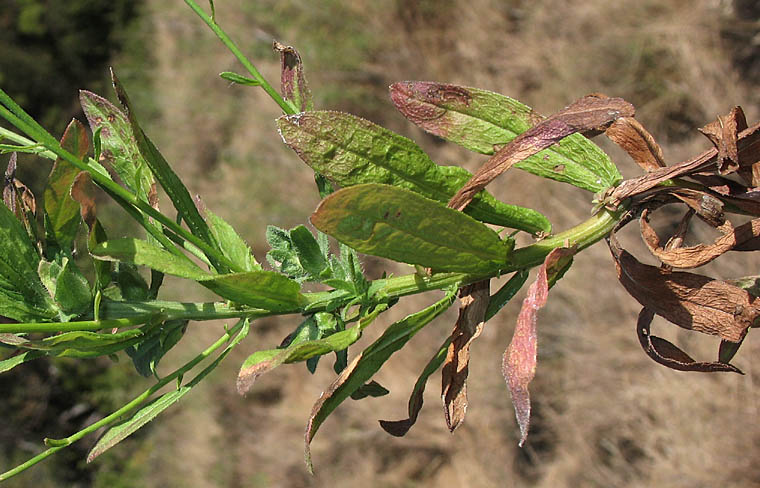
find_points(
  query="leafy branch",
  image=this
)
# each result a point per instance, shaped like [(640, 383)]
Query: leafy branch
[(392, 201)]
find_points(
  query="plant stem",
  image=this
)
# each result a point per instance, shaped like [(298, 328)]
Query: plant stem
[(136, 402), (227, 41)]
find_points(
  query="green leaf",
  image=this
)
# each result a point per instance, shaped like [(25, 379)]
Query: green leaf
[(239, 79), (372, 389), (264, 289), (80, 344), (72, 291), (308, 251), (484, 121), (13, 361), (61, 210), (398, 224), (168, 179), (262, 362), (230, 243), (366, 364), (118, 144), (147, 353), (141, 417), (22, 295), (350, 151), (505, 294)]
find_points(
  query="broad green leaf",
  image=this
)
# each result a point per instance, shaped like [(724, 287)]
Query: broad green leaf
[(145, 414), (72, 291), (308, 251), (168, 179), (264, 289), (80, 344), (22, 295), (230, 243), (484, 121), (366, 364), (398, 224), (61, 210), (350, 151), (118, 144)]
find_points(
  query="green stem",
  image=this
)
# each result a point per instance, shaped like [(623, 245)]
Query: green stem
[(227, 41), (135, 403), (12, 136), (21, 120)]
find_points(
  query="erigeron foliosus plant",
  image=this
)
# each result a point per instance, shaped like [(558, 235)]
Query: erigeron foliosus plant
[(382, 196)]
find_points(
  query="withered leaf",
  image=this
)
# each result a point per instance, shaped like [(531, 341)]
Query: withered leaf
[(748, 147), (472, 309), (17, 196), (293, 83), (723, 134), (519, 361), (689, 300), (586, 114), (666, 353), (630, 135), (695, 256)]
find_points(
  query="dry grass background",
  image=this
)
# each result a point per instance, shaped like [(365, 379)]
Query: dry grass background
[(604, 414)]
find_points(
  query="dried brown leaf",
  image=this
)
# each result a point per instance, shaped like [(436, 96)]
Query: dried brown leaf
[(293, 83), (691, 301), (472, 309), (701, 254), (723, 133), (668, 354), (589, 113), (82, 190), (748, 147), (630, 135)]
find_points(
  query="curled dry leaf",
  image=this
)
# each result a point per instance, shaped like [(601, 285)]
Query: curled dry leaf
[(519, 362), (586, 114), (748, 148), (695, 256), (293, 83), (668, 354), (17, 196), (630, 135), (472, 309), (689, 300), (723, 134)]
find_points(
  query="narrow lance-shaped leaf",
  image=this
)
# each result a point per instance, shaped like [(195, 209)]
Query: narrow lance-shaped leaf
[(145, 414), (484, 121), (231, 244), (401, 225), (168, 179), (519, 362), (366, 364), (61, 211), (473, 304), (589, 113), (349, 151), (264, 289)]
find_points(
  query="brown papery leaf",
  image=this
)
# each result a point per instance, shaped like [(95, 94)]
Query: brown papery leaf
[(748, 147), (630, 135), (586, 114), (688, 300), (292, 79), (519, 363), (668, 354), (82, 190), (723, 133), (472, 309), (701, 254)]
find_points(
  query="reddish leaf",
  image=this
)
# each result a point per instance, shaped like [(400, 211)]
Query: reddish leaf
[(293, 81), (586, 114), (630, 135), (519, 362), (472, 309), (666, 353), (694, 256), (688, 300)]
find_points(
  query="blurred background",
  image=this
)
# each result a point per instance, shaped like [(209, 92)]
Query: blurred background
[(603, 413)]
